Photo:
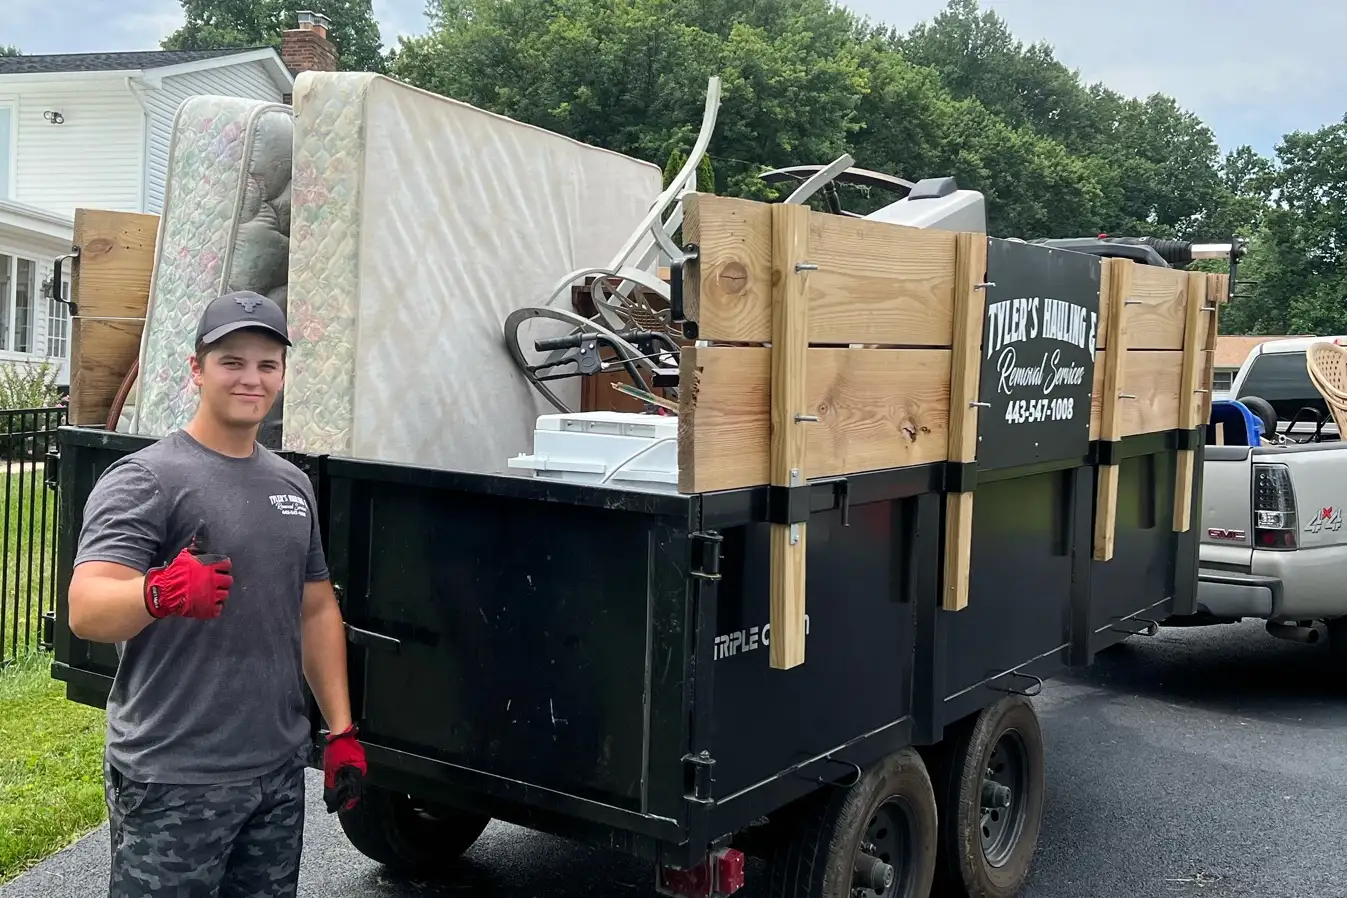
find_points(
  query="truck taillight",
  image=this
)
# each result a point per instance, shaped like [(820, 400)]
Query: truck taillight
[(1274, 508)]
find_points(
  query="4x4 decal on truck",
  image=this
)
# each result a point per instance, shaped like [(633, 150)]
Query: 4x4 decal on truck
[(1329, 518)]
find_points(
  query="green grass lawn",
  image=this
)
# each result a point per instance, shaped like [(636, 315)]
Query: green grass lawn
[(51, 751), (27, 578), (50, 747)]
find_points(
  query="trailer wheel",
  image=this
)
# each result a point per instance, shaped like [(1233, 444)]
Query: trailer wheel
[(989, 780), (409, 837), (876, 838)]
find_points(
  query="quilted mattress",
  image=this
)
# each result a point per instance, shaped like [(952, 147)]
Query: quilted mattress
[(225, 225), (419, 224)]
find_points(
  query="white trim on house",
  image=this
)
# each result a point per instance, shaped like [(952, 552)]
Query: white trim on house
[(276, 67), (105, 75), (280, 74), (38, 221)]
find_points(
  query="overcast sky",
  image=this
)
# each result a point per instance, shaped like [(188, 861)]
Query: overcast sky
[(1252, 69)]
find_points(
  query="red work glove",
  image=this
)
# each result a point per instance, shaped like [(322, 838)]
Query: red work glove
[(192, 585), (343, 770)]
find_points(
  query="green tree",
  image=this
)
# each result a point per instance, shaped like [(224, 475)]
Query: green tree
[(631, 74), (1155, 166), (1296, 274), (213, 24), (10, 50)]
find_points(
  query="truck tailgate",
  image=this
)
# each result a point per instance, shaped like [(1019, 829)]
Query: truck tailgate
[(1227, 511)]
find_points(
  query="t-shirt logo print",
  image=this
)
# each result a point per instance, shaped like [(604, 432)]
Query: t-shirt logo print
[(290, 505)]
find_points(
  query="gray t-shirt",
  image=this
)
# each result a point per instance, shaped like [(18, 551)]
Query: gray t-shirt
[(209, 701)]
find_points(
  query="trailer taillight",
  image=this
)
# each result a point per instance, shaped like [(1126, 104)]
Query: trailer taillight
[(720, 873), (1274, 508)]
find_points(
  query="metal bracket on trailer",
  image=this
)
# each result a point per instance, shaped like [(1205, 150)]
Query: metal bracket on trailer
[(1151, 628), (705, 554), (55, 283), (700, 777), (51, 468), (1036, 688)]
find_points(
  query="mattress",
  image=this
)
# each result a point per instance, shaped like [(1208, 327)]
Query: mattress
[(225, 225), (419, 224)]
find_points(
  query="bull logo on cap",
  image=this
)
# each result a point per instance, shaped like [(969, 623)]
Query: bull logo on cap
[(249, 303)]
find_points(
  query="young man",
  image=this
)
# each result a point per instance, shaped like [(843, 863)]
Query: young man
[(200, 558)]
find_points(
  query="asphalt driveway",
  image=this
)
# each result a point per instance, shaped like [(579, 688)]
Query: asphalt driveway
[(1206, 762)]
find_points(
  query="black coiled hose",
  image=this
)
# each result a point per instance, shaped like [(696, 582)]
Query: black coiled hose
[(1176, 252)]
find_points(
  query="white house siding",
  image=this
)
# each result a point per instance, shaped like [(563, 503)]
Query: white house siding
[(248, 79), (93, 159)]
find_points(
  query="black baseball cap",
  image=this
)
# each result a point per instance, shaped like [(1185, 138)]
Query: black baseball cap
[(241, 309)]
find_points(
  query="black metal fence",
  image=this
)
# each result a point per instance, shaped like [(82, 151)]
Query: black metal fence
[(27, 529)]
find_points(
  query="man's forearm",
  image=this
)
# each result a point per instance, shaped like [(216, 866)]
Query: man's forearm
[(108, 609), (324, 646)]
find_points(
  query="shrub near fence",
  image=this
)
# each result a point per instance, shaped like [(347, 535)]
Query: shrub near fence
[(27, 529)]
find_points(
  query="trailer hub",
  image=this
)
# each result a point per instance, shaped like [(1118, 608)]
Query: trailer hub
[(995, 795), (871, 873)]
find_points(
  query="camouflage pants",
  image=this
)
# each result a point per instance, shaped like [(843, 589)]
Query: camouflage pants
[(236, 840)]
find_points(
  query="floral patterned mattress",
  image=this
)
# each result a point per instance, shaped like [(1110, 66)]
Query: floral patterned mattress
[(419, 224), (225, 226)]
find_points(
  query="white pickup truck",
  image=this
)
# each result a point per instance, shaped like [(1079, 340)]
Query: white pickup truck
[(1273, 542)]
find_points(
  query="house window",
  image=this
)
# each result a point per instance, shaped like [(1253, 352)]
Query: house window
[(18, 303), (25, 303), (58, 324), (6, 151), (6, 297), (1222, 381)]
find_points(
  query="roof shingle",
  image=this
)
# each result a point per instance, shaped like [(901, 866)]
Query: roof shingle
[(55, 63)]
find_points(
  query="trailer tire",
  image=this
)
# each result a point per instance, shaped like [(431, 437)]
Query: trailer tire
[(1006, 740), (891, 808), (394, 830)]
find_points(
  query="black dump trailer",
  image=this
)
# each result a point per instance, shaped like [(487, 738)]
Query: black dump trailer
[(592, 661), (615, 689)]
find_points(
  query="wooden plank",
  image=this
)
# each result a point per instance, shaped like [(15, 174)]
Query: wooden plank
[(1218, 289), (1101, 332), (102, 350), (1156, 310), (877, 283), (788, 446), (1153, 377), (1113, 361), (111, 277), (877, 408), (1112, 364), (1194, 344), (965, 359)]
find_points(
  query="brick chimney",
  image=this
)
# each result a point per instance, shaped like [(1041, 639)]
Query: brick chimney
[(306, 47)]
